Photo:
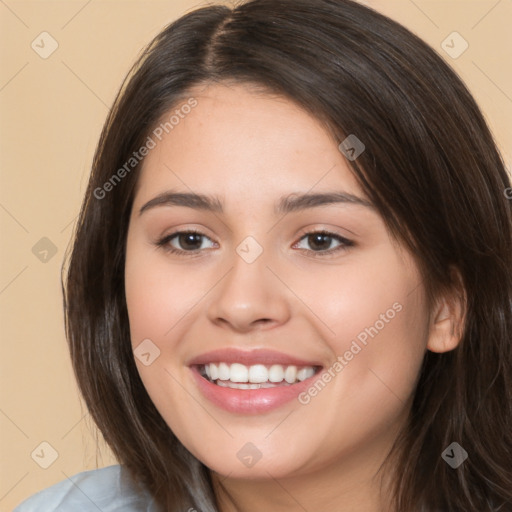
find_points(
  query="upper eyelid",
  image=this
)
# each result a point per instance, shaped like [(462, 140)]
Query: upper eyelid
[(199, 232)]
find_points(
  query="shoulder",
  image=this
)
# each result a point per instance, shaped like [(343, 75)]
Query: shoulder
[(108, 489)]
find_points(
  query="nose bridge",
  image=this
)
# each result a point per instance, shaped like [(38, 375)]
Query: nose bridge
[(249, 293)]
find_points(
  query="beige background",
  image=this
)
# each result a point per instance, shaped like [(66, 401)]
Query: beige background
[(52, 111)]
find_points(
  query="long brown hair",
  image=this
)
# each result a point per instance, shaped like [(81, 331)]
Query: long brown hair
[(430, 166)]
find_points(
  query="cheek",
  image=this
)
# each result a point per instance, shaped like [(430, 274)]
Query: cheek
[(379, 318), (159, 304), (381, 325), (160, 299)]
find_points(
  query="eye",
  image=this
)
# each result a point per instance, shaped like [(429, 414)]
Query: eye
[(191, 242), (184, 242), (322, 242)]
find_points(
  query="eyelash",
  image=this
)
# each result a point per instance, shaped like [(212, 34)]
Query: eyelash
[(163, 243)]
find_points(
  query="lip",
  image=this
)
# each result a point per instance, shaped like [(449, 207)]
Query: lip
[(250, 357), (250, 401)]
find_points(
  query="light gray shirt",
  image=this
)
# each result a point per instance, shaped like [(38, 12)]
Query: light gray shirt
[(99, 490)]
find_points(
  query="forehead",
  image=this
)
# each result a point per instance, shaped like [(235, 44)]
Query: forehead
[(238, 140)]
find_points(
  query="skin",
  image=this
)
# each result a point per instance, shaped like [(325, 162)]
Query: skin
[(250, 149)]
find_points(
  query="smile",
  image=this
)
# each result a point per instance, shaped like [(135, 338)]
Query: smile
[(251, 382), (240, 376)]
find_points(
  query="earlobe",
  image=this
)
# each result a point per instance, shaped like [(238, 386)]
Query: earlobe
[(447, 321)]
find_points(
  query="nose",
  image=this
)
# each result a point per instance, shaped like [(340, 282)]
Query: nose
[(250, 296)]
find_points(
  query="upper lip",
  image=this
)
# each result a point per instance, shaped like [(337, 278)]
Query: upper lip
[(250, 357)]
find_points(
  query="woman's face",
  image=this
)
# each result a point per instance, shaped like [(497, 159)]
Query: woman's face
[(267, 349)]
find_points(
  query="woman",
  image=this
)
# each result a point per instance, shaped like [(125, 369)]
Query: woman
[(290, 282)]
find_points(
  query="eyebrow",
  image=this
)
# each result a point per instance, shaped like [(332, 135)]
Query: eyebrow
[(290, 203)]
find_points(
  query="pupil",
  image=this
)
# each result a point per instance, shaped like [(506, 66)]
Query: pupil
[(318, 239), (190, 239)]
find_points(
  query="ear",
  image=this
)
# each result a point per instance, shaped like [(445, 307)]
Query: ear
[(448, 317)]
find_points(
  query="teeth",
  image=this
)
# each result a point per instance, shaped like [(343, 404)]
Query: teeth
[(223, 371), (237, 385), (238, 373), (257, 375), (290, 374), (305, 373), (276, 373)]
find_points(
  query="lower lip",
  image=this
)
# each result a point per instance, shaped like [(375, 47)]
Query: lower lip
[(249, 401)]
